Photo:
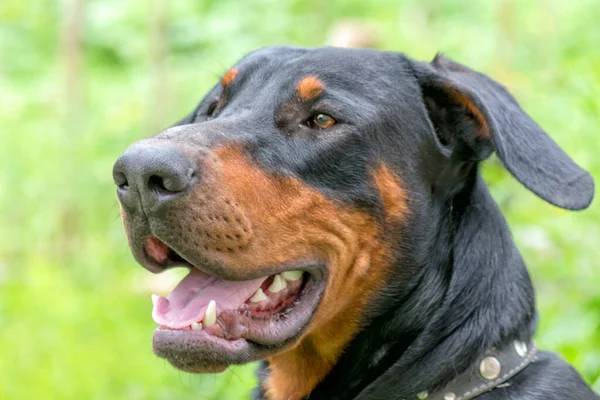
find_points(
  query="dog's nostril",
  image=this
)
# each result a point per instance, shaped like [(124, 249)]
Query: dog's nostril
[(157, 183), (171, 181), (121, 180)]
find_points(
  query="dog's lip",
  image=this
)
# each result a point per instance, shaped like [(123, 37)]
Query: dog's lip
[(198, 351), (199, 337), (155, 264)]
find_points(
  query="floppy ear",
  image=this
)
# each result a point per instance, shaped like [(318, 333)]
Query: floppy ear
[(474, 115)]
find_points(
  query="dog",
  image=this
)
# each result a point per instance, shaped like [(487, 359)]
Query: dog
[(329, 206)]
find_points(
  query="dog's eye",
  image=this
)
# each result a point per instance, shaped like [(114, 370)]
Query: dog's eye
[(321, 121), (212, 108)]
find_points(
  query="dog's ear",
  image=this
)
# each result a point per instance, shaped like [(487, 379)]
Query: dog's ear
[(474, 115)]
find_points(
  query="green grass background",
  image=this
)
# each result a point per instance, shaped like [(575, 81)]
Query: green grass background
[(74, 307)]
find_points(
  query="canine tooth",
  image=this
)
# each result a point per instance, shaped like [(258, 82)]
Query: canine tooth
[(278, 284), (258, 296), (197, 326), (154, 299), (292, 275), (210, 316)]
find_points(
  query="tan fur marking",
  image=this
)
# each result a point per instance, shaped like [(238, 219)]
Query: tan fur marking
[(229, 77), (391, 192), (309, 88)]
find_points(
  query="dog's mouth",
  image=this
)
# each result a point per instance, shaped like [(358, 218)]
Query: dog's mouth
[(206, 318)]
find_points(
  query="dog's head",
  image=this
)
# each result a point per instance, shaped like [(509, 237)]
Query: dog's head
[(299, 188)]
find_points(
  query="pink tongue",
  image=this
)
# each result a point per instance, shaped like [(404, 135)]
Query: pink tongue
[(188, 301)]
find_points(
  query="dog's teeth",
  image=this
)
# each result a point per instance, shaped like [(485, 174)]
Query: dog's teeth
[(210, 316), (278, 284), (258, 296), (197, 326), (155, 299), (292, 275)]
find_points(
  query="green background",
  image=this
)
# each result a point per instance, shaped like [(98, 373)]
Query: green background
[(81, 79)]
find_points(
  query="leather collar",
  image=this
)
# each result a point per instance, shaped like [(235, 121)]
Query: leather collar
[(491, 370)]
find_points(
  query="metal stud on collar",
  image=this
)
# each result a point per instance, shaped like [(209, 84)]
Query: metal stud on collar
[(490, 368), (493, 370), (520, 348)]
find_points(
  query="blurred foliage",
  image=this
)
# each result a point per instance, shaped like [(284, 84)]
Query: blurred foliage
[(81, 79)]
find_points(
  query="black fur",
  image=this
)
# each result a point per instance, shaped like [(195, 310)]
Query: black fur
[(459, 285)]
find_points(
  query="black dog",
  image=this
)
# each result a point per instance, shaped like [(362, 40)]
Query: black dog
[(329, 206)]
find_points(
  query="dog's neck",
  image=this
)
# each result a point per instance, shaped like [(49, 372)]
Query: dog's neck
[(474, 293)]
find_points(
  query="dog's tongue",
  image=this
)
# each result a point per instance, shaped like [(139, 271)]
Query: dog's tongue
[(188, 301)]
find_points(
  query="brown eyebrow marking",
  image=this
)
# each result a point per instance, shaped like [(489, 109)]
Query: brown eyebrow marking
[(229, 77), (310, 87)]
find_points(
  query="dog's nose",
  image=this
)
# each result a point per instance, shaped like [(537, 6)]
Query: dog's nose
[(156, 172)]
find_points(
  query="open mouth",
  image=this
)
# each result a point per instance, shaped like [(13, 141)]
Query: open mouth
[(197, 302), (204, 308)]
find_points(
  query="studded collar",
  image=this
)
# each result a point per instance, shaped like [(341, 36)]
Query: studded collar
[(491, 370)]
